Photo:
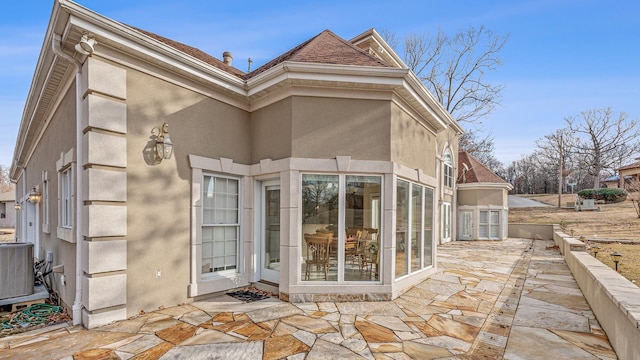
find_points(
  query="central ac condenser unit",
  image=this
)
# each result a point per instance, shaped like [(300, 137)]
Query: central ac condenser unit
[(16, 270)]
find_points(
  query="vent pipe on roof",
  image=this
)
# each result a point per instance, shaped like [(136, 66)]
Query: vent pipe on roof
[(227, 58)]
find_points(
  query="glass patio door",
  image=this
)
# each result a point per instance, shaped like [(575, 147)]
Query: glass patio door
[(270, 232)]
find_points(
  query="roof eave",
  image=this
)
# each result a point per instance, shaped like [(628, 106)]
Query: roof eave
[(383, 50), (67, 16), (484, 186)]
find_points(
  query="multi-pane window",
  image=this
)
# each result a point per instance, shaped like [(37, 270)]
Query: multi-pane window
[(66, 198), (220, 224), (447, 169), (341, 217), (489, 224), (446, 221), (414, 227)]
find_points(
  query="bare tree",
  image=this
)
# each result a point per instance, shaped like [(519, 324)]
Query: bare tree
[(633, 188), (454, 69), (554, 151), (604, 140), (5, 181)]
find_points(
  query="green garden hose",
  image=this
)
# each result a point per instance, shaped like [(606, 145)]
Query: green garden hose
[(33, 315)]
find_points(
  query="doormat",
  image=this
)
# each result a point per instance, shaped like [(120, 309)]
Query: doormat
[(249, 295)]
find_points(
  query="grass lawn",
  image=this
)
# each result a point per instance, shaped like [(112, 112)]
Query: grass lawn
[(629, 265), (613, 222)]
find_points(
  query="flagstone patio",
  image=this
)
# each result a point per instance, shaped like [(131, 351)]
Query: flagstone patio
[(514, 299)]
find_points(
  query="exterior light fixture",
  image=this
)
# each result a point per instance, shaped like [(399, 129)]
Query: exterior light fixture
[(16, 206), (35, 196), (164, 146), (86, 44), (616, 257), (595, 249)]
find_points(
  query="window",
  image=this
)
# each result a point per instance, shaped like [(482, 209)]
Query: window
[(220, 224), (414, 228), (362, 219), (447, 169), (66, 198), (402, 226), (446, 222), (320, 213), (45, 202), (342, 214), (427, 229), (489, 224)]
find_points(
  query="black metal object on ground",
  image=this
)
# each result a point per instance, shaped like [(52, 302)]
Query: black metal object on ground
[(248, 295)]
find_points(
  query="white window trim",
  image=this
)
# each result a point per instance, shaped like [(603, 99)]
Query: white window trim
[(66, 162), (228, 272), (424, 187), (446, 225), (488, 224), (447, 176), (342, 178), (224, 280)]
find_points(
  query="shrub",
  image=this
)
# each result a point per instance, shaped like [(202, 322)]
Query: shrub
[(609, 195)]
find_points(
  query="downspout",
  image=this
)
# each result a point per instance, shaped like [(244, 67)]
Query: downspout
[(77, 303)]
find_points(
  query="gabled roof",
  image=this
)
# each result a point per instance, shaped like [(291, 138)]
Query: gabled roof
[(324, 48), (470, 170)]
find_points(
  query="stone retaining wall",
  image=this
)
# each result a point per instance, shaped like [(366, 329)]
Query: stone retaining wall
[(613, 299)]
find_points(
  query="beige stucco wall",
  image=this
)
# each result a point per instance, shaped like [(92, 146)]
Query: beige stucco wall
[(412, 144), (330, 127), (159, 195), (482, 197), (271, 129), (59, 137)]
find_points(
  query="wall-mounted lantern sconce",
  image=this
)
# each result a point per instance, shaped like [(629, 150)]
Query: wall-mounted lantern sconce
[(164, 146), (86, 44), (34, 195), (16, 206)]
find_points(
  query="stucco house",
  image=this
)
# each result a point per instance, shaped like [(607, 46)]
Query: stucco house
[(160, 175), (628, 174), (7, 209), (483, 206)]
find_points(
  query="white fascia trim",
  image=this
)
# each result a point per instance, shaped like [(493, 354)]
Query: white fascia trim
[(401, 102), (381, 76), (378, 40), (149, 48), (434, 105), (484, 186), (314, 91)]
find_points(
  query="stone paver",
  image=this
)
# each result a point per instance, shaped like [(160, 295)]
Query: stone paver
[(513, 299)]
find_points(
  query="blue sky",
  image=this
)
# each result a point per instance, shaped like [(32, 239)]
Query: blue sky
[(562, 57)]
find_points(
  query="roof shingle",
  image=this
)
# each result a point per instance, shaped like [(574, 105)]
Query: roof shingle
[(475, 171), (195, 52), (324, 48)]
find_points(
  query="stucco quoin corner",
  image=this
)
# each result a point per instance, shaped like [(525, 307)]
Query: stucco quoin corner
[(99, 76)]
